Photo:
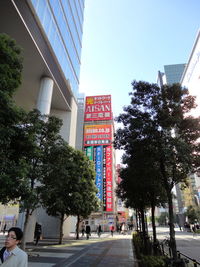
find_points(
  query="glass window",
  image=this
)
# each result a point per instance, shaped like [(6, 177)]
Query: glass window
[(59, 33), (41, 9), (76, 35)]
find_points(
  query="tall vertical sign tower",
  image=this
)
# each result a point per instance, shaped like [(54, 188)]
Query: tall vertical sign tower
[(98, 137)]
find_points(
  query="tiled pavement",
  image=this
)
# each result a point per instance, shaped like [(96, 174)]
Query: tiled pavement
[(104, 251)]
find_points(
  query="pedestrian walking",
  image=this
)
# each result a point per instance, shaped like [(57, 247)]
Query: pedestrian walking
[(83, 229), (4, 228), (123, 229), (88, 231), (99, 230), (11, 255), (112, 228), (38, 232), (194, 229)]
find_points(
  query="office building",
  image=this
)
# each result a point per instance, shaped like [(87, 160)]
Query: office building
[(172, 74), (50, 34)]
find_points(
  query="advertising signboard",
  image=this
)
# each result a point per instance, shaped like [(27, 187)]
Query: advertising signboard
[(89, 152), (99, 171), (98, 108), (97, 135), (104, 178), (109, 196)]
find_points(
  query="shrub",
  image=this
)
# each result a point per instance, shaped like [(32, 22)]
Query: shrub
[(152, 261)]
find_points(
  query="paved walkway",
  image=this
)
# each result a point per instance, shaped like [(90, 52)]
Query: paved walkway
[(104, 251)]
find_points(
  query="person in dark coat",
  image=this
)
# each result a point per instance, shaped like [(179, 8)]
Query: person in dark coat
[(87, 230), (99, 230), (38, 232), (83, 229)]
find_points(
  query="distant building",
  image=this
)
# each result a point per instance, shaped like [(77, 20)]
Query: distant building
[(172, 74)]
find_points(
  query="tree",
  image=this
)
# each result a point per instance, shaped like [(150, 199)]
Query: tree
[(161, 117), (140, 186), (12, 167), (69, 187), (193, 214), (40, 133), (86, 201)]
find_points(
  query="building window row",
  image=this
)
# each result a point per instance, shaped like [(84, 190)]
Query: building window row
[(48, 22)]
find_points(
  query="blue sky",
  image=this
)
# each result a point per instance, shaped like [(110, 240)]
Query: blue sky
[(126, 40)]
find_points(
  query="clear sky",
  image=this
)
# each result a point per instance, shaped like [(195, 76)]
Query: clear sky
[(126, 40)]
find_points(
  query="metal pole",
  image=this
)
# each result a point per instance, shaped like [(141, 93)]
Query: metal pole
[(195, 263), (103, 221), (179, 255)]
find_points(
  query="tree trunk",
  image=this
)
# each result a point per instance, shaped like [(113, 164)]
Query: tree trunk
[(153, 222), (61, 229), (168, 189), (23, 242), (146, 223), (77, 227), (136, 218), (140, 221), (155, 242), (144, 234), (171, 225), (143, 222)]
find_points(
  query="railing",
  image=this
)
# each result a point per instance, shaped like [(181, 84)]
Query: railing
[(166, 250), (189, 261)]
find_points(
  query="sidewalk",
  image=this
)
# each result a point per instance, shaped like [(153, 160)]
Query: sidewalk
[(104, 251)]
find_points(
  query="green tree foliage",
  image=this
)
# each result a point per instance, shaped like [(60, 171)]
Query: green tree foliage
[(10, 65), (40, 133), (140, 187), (13, 166), (69, 184), (193, 214), (157, 120)]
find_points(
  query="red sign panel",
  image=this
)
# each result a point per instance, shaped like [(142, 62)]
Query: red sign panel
[(98, 108), (109, 196), (95, 135)]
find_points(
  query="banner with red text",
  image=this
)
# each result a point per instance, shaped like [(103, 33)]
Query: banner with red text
[(97, 135), (109, 185), (98, 108)]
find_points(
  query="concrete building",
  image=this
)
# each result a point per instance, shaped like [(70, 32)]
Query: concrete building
[(50, 34)]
